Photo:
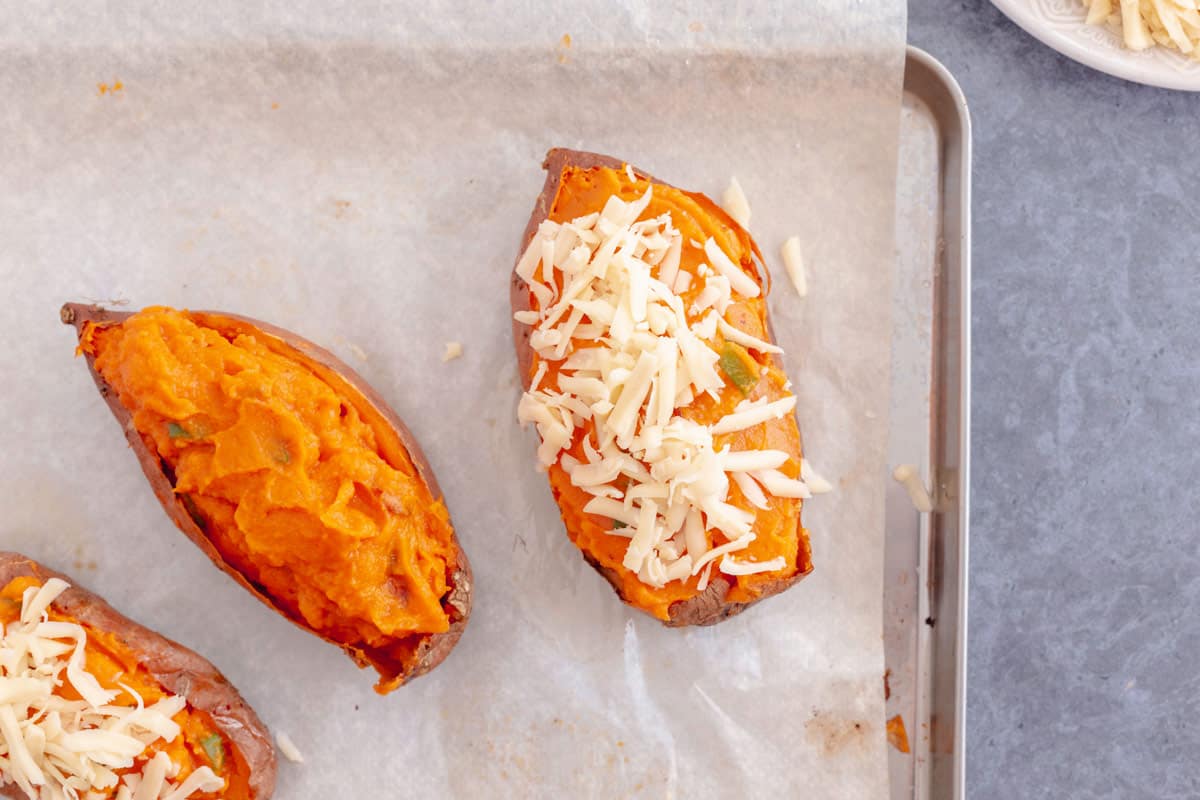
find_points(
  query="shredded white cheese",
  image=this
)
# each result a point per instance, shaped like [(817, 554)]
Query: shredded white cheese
[(756, 415), (816, 483), (746, 340), (731, 566), (910, 478), (735, 204), (1174, 24), (750, 489), (626, 357), (52, 747), (793, 263), (288, 748), (741, 283)]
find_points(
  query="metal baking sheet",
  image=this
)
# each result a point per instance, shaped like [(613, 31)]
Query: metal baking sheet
[(317, 181), (925, 588)]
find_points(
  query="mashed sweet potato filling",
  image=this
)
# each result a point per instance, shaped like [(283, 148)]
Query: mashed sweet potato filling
[(748, 374), (297, 481), (112, 664)]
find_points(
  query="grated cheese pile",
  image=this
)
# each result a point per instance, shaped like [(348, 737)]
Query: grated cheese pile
[(53, 748), (1174, 24), (628, 360)]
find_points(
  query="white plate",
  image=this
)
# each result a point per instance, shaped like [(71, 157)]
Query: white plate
[(1060, 24)]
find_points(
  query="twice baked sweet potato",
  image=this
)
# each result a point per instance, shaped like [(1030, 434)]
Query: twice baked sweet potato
[(291, 474), (93, 704), (665, 417)]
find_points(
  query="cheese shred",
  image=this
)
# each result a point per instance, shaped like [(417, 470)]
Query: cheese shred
[(908, 476), (735, 203), (793, 262), (288, 748)]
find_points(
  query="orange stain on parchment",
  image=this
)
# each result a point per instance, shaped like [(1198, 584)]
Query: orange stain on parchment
[(564, 44), (896, 735), (835, 735), (104, 88)]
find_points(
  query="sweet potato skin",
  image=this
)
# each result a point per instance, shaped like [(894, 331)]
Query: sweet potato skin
[(176, 668), (709, 607), (434, 648)]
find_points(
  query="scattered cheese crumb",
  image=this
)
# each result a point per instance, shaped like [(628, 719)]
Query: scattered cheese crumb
[(793, 262), (907, 475), (453, 351), (735, 203), (816, 484), (287, 748)]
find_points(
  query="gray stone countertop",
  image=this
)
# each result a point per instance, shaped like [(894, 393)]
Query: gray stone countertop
[(1084, 647)]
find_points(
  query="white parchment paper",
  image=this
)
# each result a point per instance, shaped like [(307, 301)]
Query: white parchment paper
[(362, 176)]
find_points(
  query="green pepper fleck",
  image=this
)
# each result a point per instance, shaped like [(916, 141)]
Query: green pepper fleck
[(214, 748), (177, 431), (618, 524), (281, 454), (735, 363)]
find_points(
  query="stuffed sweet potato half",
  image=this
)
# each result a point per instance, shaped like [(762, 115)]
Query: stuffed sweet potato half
[(665, 418), (93, 705), (291, 474)]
